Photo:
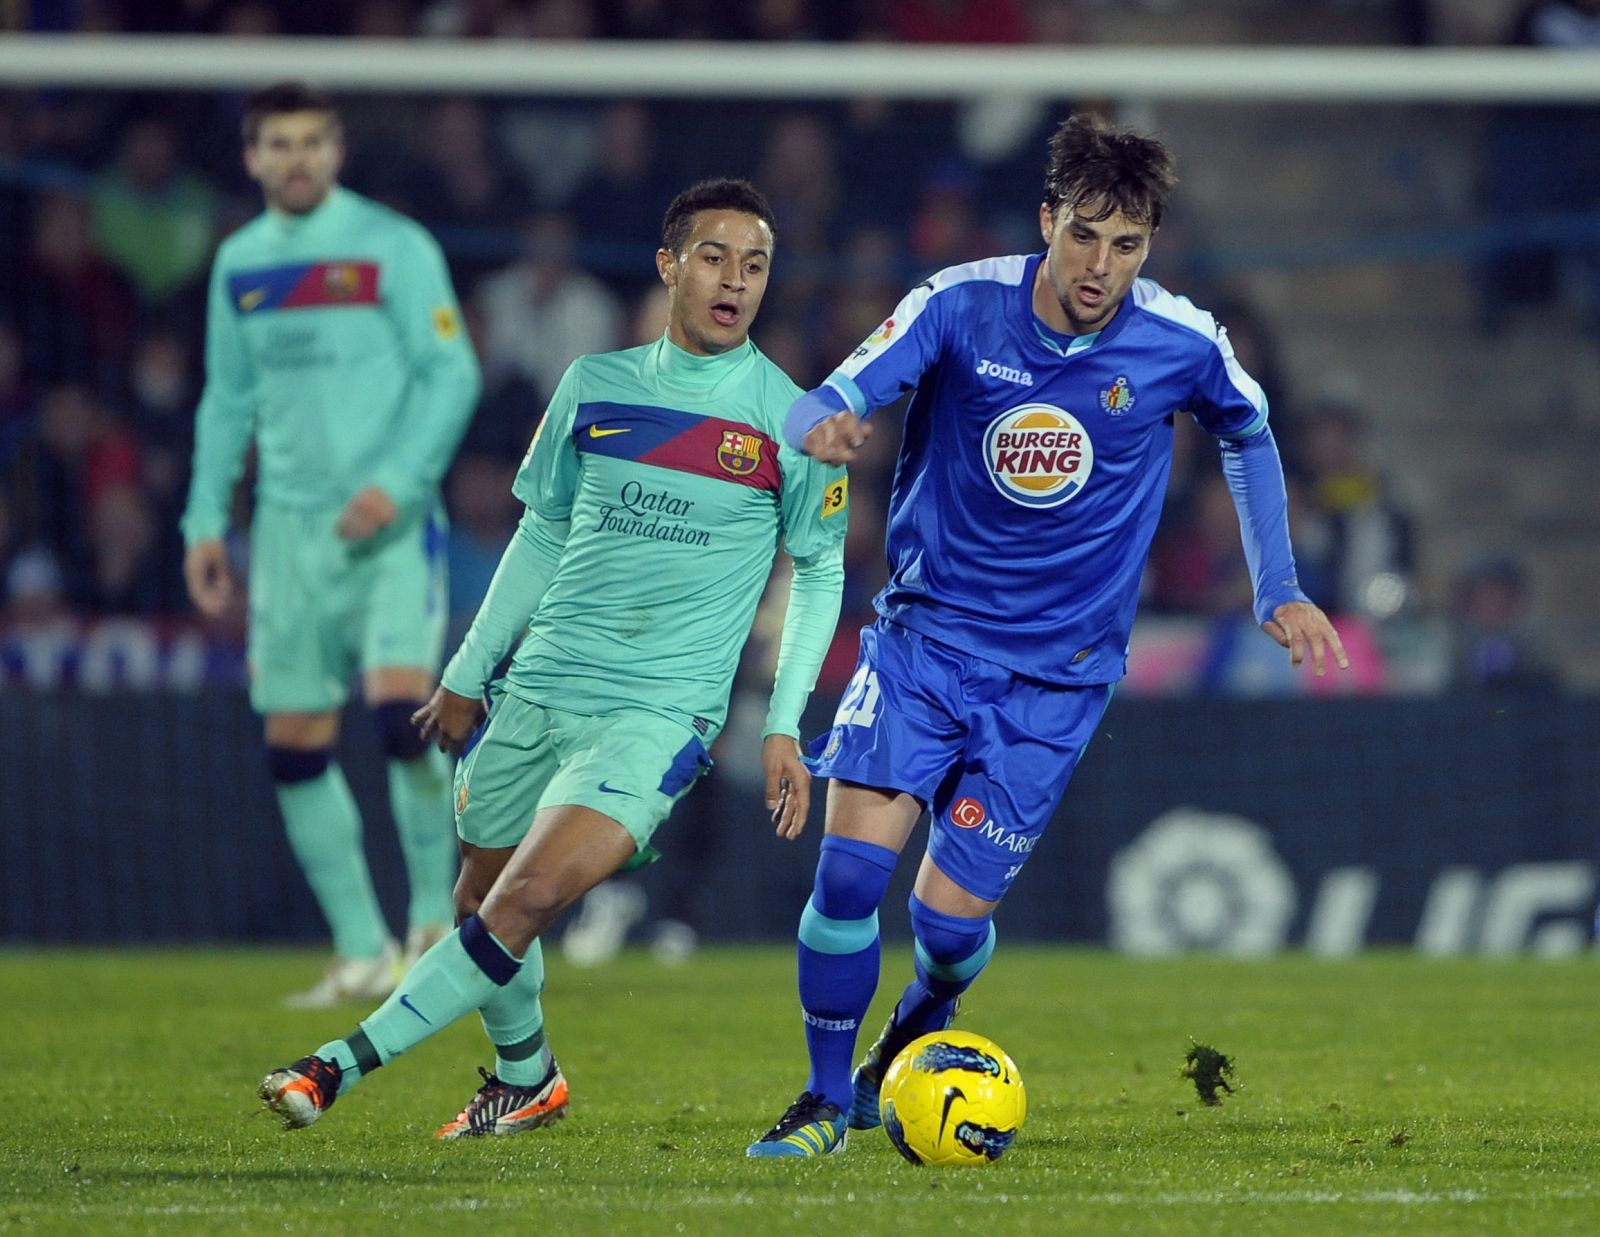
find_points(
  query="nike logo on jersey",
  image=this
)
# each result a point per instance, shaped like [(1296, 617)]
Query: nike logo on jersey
[(596, 432), (405, 999), (252, 298), (612, 790)]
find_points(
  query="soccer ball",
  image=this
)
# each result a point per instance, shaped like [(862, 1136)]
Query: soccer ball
[(952, 1097)]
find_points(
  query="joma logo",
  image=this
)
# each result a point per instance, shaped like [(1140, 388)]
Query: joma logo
[(990, 369)]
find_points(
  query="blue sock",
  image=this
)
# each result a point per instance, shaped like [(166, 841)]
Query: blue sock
[(839, 958), (951, 951)]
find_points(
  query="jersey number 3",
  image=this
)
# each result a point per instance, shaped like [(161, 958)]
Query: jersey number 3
[(859, 704)]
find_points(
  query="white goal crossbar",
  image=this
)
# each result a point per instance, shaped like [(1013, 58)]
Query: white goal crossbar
[(605, 68)]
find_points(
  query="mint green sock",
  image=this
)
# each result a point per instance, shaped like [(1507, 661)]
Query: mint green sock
[(444, 984), (342, 1052), (324, 828), (419, 797), (514, 1020)]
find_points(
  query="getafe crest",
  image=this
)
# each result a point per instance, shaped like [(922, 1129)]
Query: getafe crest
[(1118, 397), (739, 453)]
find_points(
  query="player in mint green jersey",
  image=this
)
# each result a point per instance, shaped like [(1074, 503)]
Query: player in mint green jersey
[(334, 344), (658, 491)]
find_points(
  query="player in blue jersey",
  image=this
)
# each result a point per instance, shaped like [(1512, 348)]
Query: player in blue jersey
[(1035, 455)]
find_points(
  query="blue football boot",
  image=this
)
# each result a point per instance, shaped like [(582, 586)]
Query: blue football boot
[(867, 1080), (811, 1127)]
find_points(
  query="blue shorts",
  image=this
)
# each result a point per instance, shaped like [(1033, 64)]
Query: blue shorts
[(988, 750)]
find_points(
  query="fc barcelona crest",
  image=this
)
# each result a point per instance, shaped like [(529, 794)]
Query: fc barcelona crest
[(739, 453), (341, 282)]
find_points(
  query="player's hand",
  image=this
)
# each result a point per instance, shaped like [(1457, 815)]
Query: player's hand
[(1298, 626), (210, 579), (788, 785), (369, 511), (836, 440), (449, 719)]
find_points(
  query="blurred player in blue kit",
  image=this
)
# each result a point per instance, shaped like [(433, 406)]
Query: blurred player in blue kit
[(1035, 456)]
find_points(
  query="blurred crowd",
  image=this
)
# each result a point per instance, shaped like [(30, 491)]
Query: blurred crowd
[(111, 205), (947, 21)]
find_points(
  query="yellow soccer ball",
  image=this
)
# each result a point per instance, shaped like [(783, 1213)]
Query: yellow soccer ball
[(952, 1097)]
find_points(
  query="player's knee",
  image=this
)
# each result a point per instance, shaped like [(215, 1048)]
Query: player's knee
[(851, 877), (289, 765), (399, 738), (952, 947), (531, 902)]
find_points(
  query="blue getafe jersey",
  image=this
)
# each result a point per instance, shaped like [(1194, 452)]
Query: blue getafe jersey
[(1033, 466)]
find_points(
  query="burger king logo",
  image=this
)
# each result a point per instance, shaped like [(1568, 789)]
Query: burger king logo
[(1038, 455)]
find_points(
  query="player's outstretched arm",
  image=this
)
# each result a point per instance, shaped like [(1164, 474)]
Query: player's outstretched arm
[(817, 425), (1299, 626), (788, 785), (836, 440), (449, 719)]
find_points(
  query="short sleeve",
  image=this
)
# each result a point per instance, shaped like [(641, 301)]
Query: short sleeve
[(892, 360), (1227, 401)]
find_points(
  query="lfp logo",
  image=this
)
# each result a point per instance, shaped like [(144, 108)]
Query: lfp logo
[(876, 340), (1038, 455)]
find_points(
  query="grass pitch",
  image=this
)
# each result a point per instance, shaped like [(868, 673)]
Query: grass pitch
[(1379, 1094)]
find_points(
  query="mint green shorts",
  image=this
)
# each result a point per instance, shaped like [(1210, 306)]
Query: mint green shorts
[(629, 766), (322, 608)]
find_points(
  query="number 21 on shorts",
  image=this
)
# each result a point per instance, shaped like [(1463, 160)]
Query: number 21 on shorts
[(859, 704)]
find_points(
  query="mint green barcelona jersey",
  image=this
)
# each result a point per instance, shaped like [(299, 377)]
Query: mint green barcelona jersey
[(667, 477), (333, 339)]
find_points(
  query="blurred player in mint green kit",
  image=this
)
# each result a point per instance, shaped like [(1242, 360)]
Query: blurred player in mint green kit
[(658, 490), (334, 343)]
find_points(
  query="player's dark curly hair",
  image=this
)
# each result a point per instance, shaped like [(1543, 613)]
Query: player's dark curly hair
[(281, 98), (1097, 170), (724, 193)]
